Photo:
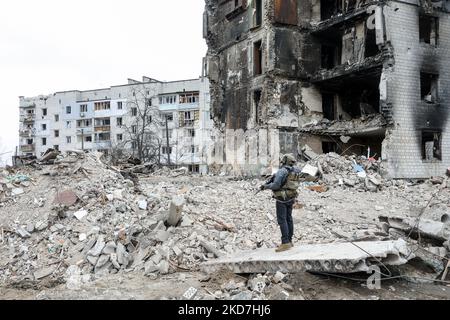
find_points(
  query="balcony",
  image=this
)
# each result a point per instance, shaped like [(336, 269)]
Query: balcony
[(26, 133), (27, 104), (27, 118), (102, 128), (27, 148)]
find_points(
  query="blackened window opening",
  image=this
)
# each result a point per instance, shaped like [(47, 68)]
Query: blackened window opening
[(257, 58), (431, 145), (257, 100), (429, 87)]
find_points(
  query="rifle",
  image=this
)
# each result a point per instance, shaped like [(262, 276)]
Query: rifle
[(270, 180)]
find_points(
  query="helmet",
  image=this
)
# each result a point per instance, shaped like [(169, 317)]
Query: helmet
[(288, 159)]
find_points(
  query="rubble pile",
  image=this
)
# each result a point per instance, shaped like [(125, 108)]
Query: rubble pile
[(78, 219), (85, 218), (353, 171)]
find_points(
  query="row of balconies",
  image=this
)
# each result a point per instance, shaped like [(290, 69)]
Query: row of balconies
[(27, 148)]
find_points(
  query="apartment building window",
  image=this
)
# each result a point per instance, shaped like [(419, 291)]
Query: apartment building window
[(257, 58), (134, 112), (120, 137), (69, 140), (84, 123), (56, 147), (170, 131), (44, 112), (429, 87), (88, 139), (148, 102), (119, 105), (68, 124), (431, 145), (104, 137), (166, 150), (105, 105), (83, 108), (43, 127), (191, 133), (56, 133), (257, 13), (119, 122), (194, 168), (428, 29), (192, 97), (168, 116), (68, 110), (44, 141), (56, 117), (194, 149), (30, 141), (134, 129), (168, 99)]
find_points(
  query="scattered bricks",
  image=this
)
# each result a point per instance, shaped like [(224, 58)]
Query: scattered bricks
[(175, 211), (162, 236), (246, 295), (349, 182), (319, 189), (66, 198), (190, 293)]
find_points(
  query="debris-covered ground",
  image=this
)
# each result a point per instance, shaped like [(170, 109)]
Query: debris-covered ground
[(81, 229)]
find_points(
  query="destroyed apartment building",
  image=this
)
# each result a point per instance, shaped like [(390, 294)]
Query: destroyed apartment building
[(369, 78), (147, 119)]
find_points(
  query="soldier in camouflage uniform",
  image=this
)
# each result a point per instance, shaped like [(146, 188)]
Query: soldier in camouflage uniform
[(285, 185)]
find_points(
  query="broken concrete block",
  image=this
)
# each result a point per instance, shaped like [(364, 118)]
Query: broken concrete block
[(143, 204), (92, 260), (23, 233), (186, 222), (278, 277), (349, 182), (163, 267), (43, 273), (118, 194), (332, 258), (80, 214), (156, 258), (114, 260), (110, 248), (102, 260), (17, 192), (122, 255), (150, 267), (177, 251), (30, 227), (98, 248), (427, 228), (190, 293), (175, 211), (162, 236), (82, 237), (310, 170)]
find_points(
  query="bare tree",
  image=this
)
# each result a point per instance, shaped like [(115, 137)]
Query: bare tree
[(143, 124)]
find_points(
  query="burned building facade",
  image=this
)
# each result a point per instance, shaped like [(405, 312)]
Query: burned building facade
[(362, 77)]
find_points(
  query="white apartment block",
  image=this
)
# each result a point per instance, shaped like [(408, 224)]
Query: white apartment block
[(102, 120)]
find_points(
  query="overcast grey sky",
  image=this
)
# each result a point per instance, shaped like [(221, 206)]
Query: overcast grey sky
[(52, 45)]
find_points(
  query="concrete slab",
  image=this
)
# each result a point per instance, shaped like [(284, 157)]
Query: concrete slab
[(333, 258)]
